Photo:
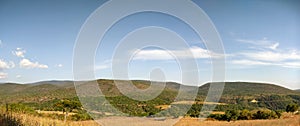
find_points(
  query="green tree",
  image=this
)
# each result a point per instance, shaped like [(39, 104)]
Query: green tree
[(231, 115), (292, 108), (245, 115), (68, 106), (278, 113)]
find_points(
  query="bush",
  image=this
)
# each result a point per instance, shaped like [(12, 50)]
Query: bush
[(278, 113), (245, 115), (291, 108), (264, 114), (232, 115), (21, 108), (81, 117)]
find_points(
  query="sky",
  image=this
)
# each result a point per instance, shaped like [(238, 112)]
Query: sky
[(260, 38)]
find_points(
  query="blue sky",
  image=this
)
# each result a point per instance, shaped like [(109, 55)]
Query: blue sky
[(261, 40)]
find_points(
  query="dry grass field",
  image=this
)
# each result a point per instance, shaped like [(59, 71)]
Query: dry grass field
[(292, 121), (28, 120), (54, 112), (116, 121)]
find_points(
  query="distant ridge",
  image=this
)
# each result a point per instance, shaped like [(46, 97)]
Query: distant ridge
[(249, 88), (65, 89)]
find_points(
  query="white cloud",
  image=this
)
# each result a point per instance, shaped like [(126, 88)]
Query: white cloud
[(19, 52), (266, 52), (18, 76), (263, 43), (273, 56), (3, 75), (291, 64), (26, 63), (274, 46), (58, 65), (263, 63), (249, 62), (6, 65), (158, 54)]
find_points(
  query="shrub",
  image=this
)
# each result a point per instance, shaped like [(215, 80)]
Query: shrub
[(81, 117), (245, 115), (264, 114), (291, 108)]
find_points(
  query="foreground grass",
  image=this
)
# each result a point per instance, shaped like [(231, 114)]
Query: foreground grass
[(30, 120), (287, 120), (291, 121)]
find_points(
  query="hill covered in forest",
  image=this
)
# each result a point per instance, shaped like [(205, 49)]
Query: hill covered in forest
[(49, 90)]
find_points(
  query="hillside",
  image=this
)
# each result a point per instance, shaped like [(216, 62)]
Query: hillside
[(49, 90), (248, 89)]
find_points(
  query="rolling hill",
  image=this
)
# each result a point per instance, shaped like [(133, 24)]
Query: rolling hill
[(232, 93), (249, 89)]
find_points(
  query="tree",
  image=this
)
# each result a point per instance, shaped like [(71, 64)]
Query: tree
[(278, 113), (245, 115), (68, 106), (291, 108), (231, 115)]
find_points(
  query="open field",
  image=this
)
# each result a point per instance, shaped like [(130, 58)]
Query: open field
[(29, 120), (54, 112), (292, 121), (287, 120), (117, 121)]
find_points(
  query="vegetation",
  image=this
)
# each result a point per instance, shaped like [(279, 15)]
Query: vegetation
[(58, 101), (68, 106), (292, 108), (233, 115), (8, 120)]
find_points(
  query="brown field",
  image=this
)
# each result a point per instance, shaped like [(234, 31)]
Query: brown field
[(121, 121), (287, 120), (163, 107), (54, 112), (292, 121), (29, 120)]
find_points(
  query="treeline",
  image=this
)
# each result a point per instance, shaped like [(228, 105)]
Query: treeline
[(232, 115), (272, 102), (251, 115)]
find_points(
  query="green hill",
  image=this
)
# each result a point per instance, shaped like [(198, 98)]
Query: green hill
[(248, 89), (241, 93)]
